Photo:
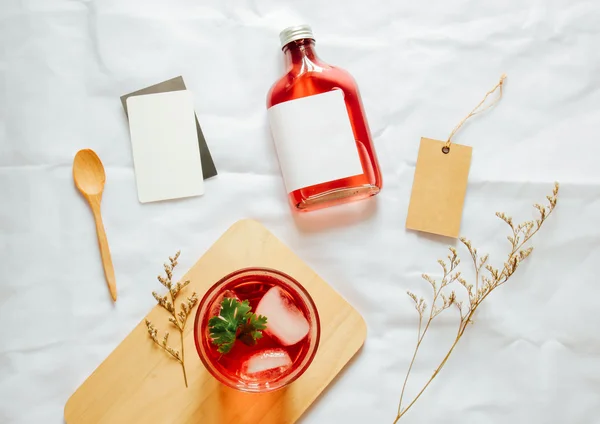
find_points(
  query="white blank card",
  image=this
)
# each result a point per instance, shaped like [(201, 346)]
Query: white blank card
[(164, 140)]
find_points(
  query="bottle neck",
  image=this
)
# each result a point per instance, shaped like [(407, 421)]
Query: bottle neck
[(301, 56)]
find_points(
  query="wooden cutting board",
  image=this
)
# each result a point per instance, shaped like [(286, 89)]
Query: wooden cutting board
[(139, 383)]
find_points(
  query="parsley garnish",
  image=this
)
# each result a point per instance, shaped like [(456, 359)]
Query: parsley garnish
[(235, 321)]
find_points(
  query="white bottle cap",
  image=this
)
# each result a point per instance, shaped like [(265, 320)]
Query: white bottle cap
[(294, 33)]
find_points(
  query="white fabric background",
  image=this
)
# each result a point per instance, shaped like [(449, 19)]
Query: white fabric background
[(532, 355)]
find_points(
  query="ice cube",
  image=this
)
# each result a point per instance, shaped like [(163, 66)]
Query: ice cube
[(266, 364), (285, 322)]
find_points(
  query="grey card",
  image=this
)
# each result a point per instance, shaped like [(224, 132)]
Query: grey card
[(176, 84)]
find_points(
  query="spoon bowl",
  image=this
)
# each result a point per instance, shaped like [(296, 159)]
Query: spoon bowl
[(88, 172), (89, 177)]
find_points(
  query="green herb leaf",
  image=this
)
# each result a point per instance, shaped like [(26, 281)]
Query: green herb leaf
[(258, 322), (235, 321)]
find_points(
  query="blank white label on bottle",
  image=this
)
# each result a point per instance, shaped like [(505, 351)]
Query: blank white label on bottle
[(314, 140)]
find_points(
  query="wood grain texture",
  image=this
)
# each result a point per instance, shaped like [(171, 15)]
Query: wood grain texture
[(138, 383)]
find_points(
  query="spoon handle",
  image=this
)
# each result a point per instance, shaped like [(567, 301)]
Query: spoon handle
[(109, 270)]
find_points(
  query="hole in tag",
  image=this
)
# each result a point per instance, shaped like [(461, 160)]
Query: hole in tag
[(445, 150)]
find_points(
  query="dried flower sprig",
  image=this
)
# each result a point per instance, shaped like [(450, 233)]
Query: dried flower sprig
[(178, 319), (484, 285)]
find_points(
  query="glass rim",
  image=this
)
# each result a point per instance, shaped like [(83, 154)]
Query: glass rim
[(284, 280)]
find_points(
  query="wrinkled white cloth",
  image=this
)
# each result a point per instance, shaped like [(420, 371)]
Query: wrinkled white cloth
[(532, 355)]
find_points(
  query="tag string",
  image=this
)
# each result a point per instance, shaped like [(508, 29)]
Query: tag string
[(477, 109)]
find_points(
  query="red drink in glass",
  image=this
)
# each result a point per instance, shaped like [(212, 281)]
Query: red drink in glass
[(288, 345)]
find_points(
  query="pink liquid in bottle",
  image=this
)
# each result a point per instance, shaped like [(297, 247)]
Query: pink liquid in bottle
[(320, 130)]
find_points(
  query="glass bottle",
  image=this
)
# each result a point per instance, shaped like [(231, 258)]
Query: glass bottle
[(320, 131)]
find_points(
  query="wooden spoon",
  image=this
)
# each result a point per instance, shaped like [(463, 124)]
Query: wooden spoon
[(89, 177)]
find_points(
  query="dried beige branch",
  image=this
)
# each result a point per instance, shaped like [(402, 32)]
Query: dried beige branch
[(178, 319), (484, 285)]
